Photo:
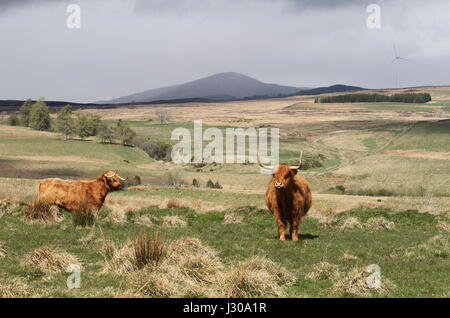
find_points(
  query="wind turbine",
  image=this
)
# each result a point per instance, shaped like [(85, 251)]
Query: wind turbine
[(397, 59)]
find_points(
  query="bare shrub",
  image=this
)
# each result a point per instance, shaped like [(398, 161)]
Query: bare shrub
[(49, 260), (173, 221), (148, 249), (39, 211), (379, 223), (255, 277), (14, 288), (232, 218)]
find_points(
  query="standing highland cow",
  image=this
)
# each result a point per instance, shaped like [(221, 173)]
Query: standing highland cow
[(288, 197), (73, 195)]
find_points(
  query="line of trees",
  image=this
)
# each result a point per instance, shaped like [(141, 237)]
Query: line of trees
[(375, 98), (68, 123)]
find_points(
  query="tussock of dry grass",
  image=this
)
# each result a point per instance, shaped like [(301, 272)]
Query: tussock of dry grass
[(49, 260), (351, 223), (173, 221), (13, 288), (436, 246), (191, 269), (143, 220), (2, 250), (174, 204), (347, 256), (324, 270), (255, 277), (333, 221), (232, 218), (41, 212), (6, 207), (84, 216), (354, 281), (443, 226), (134, 254), (148, 249), (379, 223), (194, 260), (118, 259)]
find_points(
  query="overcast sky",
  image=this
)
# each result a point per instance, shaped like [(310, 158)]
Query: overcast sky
[(127, 46)]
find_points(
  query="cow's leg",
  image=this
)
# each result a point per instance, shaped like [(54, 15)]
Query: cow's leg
[(281, 228), (294, 224)]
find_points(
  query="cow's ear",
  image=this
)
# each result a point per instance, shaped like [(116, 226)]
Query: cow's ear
[(294, 172)]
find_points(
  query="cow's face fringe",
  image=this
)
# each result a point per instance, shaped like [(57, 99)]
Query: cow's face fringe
[(282, 176)]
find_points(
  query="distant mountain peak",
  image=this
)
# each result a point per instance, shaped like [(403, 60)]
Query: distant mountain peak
[(233, 85)]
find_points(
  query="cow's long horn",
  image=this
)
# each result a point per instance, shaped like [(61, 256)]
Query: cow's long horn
[(300, 165), (120, 177), (109, 176), (262, 165)]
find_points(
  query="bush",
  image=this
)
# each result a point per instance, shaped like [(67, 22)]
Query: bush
[(136, 180), (173, 178), (64, 123), (39, 118), (124, 133), (211, 184), (86, 125), (157, 150), (105, 133), (24, 111), (13, 120), (195, 183)]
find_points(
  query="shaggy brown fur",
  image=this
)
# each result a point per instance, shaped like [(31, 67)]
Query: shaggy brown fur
[(289, 198), (73, 195)]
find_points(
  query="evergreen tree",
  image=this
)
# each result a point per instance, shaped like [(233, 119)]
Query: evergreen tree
[(40, 116), (24, 112), (64, 123)]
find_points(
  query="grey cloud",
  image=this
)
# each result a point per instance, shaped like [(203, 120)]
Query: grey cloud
[(129, 46)]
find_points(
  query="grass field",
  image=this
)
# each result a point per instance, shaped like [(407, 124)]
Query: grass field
[(380, 196)]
